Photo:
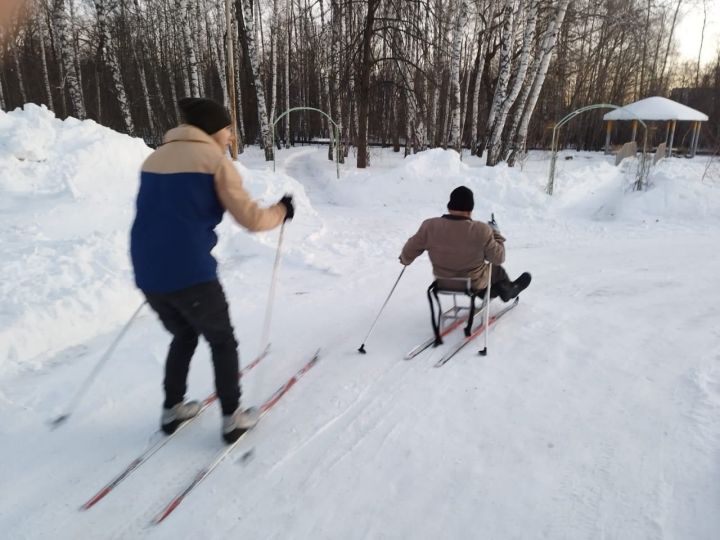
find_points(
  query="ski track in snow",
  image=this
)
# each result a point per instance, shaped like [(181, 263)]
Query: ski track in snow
[(595, 415)]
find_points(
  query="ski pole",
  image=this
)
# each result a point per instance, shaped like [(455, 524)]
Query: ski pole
[(362, 347), (271, 294), (98, 367), (483, 352)]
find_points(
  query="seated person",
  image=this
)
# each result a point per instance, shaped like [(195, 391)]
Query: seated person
[(459, 248)]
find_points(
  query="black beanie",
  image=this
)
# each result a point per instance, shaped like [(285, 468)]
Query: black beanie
[(205, 114), (461, 199)]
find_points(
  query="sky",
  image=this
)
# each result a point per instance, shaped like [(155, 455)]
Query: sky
[(690, 27)]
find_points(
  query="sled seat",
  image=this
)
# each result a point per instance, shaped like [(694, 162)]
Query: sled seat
[(456, 288)]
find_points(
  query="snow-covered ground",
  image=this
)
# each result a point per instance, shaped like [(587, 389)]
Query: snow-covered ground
[(596, 414)]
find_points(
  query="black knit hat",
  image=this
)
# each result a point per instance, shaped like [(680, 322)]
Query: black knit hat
[(461, 199), (206, 114)]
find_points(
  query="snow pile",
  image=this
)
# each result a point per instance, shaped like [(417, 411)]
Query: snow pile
[(424, 181), (605, 414), (594, 188), (68, 188), (67, 196)]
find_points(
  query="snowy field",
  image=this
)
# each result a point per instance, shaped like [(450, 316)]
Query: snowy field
[(596, 414)]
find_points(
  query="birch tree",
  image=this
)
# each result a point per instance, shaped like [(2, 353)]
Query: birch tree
[(42, 37), (460, 18), (506, 45), (190, 54), (107, 49), (254, 58), (495, 144), (64, 42), (545, 53)]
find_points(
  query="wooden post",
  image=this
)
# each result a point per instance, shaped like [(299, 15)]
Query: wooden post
[(672, 137), (634, 127), (607, 137), (230, 56), (695, 138)]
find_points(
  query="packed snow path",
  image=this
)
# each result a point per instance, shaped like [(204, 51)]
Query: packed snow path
[(595, 415)]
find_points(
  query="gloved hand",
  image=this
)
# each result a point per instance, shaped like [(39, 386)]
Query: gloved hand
[(287, 200), (401, 261)]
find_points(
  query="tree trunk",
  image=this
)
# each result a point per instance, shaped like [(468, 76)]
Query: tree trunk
[(238, 87), (18, 70), (110, 58), (253, 56), (506, 46), (454, 94), (494, 155), (42, 36), (546, 50), (191, 60), (363, 75), (288, 23), (68, 64)]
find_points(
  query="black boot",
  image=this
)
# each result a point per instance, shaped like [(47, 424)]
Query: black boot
[(507, 290)]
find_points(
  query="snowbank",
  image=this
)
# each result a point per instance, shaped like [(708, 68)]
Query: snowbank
[(67, 199)]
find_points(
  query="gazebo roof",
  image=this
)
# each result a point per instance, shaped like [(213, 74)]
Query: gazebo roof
[(656, 108)]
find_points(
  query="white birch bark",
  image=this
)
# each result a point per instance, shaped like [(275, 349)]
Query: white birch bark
[(455, 93), (273, 61), (71, 78), (102, 9), (546, 51), (220, 58), (247, 7), (506, 43), (495, 144), (18, 69), (190, 60), (42, 28)]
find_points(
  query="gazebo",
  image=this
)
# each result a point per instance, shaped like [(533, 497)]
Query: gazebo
[(658, 109)]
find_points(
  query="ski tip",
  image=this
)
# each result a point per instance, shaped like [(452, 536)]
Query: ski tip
[(362, 350)]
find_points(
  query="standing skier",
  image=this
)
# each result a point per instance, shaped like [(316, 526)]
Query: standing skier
[(186, 186), (458, 248)]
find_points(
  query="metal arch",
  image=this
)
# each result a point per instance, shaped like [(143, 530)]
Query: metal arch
[(336, 138), (573, 114)]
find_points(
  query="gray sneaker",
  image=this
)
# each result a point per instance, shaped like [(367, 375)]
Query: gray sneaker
[(173, 417), (237, 423)]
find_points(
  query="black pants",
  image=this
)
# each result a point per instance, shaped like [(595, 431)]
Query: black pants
[(499, 275), (198, 310)]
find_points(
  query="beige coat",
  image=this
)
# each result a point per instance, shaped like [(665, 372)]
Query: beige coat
[(188, 149), (458, 247)]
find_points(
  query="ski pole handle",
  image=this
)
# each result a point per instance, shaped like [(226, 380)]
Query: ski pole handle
[(362, 347)]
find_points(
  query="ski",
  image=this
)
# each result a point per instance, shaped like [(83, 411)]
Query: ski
[(203, 473), (430, 341), (475, 333), (154, 447), (412, 353)]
